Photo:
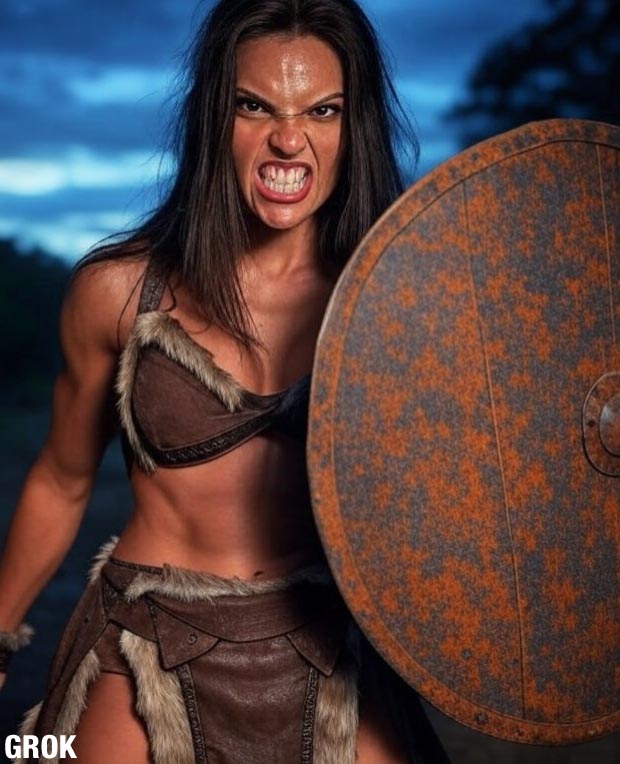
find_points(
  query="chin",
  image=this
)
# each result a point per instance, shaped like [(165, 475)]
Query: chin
[(282, 222)]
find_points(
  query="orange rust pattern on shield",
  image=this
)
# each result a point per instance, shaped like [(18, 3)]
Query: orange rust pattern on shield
[(472, 538)]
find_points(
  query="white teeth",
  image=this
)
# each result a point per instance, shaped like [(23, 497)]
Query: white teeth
[(284, 181), (279, 174), (285, 188)]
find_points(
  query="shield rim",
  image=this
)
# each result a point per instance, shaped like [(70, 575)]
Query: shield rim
[(320, 447)]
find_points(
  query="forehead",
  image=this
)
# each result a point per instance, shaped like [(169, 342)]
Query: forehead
[(279, 66)]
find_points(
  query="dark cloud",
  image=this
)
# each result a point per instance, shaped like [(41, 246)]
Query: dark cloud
[(144, 32), (44, 43), (104, 31), (44, 46), (441, 41), (130, 204), (71, 221), (74, 201), (29, 128), (94, 74), (42, 109)]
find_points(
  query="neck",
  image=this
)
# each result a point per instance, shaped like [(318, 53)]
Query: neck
[(282, 251)]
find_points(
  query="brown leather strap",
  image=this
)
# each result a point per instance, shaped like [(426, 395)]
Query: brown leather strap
[(152, 287), (233, 617), (261, 616), (133, 616)]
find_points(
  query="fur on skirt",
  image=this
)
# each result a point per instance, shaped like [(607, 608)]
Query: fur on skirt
[(226, 671), (279, 655)]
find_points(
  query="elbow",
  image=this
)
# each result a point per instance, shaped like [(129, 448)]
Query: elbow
[(69, 484)]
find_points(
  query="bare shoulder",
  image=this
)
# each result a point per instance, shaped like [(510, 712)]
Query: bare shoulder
[(101, 302)]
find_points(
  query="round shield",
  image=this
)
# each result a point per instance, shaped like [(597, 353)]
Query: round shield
[(464, 444)]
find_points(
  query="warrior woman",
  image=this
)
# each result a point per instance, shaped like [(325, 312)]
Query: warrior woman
[(211, 630)]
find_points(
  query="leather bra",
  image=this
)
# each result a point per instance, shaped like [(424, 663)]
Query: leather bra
[(177, 406)]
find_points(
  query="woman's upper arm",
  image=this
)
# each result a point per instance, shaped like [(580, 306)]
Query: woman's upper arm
[(99, 297)]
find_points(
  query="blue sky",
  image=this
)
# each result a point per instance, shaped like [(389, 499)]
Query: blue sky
[(86, 87)]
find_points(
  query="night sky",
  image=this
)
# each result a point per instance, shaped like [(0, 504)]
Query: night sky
[(86, 89)]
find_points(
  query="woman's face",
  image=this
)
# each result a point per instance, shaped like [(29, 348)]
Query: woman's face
[(288, 127)]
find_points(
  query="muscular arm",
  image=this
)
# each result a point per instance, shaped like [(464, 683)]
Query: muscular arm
[(58, 485)]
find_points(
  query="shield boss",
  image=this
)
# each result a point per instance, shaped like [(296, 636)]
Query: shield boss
[(464, 444)]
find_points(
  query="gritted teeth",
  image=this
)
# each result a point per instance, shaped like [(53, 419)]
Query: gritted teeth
[(283, 181)]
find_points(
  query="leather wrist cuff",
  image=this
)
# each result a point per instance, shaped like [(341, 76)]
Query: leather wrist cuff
[(10, 641)]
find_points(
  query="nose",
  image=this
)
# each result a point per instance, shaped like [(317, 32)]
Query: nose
[(287, 136)]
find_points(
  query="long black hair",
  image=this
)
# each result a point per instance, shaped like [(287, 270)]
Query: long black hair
[(199, 229)]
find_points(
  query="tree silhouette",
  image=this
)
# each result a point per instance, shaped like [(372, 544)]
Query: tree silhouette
[(31, 289), (566, 65)]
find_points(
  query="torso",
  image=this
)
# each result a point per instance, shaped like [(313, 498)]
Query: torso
[(247, 512)]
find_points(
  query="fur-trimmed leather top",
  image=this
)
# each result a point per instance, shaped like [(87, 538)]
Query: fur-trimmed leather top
[(177, 406)]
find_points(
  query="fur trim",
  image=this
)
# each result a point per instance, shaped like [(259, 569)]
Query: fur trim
[(159, 328), (124, 388), (100, 559), (29, 722), (72, 707), (74, 702), (159, 701), (336, 716), (27, 727), (192, 585), (15, 640)]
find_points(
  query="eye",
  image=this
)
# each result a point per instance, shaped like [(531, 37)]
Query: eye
[(249, 107), (326, 111)]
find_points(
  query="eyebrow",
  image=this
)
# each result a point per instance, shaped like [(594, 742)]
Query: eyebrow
[(264, 102)]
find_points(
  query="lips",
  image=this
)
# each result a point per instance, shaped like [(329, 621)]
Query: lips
[(284, 182)]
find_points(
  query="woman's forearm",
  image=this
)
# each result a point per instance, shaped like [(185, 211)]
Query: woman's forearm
[(43, 528)]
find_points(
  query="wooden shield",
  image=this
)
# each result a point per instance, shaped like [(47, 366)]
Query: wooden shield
[(465, 434)]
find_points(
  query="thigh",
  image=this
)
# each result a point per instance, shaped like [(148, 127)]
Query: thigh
[(109, 729)]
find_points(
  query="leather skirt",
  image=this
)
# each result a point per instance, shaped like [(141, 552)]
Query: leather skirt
[(225, 671)]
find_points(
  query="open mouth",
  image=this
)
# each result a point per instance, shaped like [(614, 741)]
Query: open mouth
[(285, 183)]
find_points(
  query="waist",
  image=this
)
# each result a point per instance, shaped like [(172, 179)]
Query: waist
[(228, 608), (188, 613), (243, 546)]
